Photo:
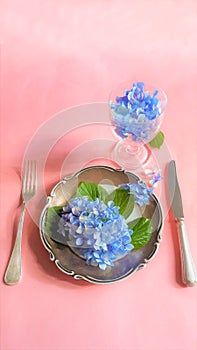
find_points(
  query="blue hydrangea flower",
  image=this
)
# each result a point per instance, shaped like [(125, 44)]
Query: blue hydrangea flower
[(96, 229), (156, 177), (140, 190), (136, 113), (153, 178)]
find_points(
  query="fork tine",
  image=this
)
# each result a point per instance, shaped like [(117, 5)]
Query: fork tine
[(31, 170), (34, 176), (29, 184), (28, 176), (36, 179), (24, 176)]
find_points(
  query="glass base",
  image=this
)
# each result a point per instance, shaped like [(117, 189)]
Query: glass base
[(131, 155)]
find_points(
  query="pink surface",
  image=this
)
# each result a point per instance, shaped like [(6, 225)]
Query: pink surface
[(57, 54)]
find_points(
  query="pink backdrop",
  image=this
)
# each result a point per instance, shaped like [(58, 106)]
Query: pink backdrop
[(57, 54)]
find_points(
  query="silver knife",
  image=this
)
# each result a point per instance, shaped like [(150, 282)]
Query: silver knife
[(189, 275)]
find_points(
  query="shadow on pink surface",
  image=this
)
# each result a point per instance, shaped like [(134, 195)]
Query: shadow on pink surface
[(174, 235), (176, 247)]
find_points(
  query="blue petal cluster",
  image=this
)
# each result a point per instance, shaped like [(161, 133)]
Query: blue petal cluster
[(155, 179), (136, 113), (96, 229), (140, 191)]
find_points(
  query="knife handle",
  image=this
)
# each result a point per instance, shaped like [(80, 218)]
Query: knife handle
[(189, 275)]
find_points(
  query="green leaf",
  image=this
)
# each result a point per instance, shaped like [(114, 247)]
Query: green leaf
[(51, 223), (158, 140), (123, 200), (92, 191), (52, 218), (131, 224), (102, 193), (142, 231)]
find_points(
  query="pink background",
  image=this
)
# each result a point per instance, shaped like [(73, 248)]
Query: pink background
[(57, 54)]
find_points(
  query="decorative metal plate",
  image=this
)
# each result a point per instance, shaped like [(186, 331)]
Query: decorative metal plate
[(70, 263)]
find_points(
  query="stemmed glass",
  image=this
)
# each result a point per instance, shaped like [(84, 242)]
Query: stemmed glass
[(136, 112)]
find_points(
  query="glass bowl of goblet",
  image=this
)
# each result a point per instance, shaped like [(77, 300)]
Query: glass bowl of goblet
[(136, 113)]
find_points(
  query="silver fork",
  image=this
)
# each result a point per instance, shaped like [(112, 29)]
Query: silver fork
[(29, 185)]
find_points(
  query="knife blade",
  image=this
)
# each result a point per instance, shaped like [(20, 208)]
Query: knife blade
[(189, 275), (174, 191)]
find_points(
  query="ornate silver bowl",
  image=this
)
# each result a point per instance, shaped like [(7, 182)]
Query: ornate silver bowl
[(71, 263)]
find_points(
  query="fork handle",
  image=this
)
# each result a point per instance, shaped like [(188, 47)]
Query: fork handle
[(14, 270)]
